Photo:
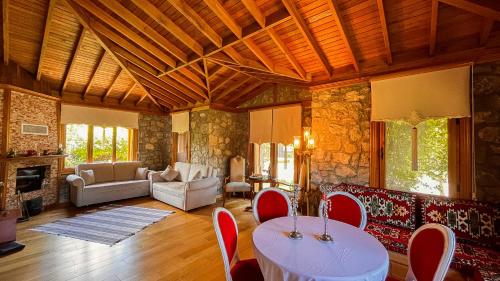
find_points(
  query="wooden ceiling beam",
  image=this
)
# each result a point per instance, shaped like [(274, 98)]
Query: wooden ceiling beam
[(189, 74), (219, 69), (244, 92), (234, 67), (233, 54), (125, 31), (127, 93), (161, 93), (113, 84), (486, 27), (288, 54), (141, 99), (45, 38), (252, 7), (205, 67), (221, 84), (306, 33), (196, 95), (224, 16), (186, 82), (385, 31), (75, 53), (259, 53), (5, 31), (433, 30), (85, 21), (197, 67), (197, 21), (485, 8), (93, 76), (252, 94), (337, 16), (232, 88), (126, 55), (157, 15)]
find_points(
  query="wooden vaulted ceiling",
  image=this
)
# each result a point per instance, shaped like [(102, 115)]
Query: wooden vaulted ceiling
[(175, 54)]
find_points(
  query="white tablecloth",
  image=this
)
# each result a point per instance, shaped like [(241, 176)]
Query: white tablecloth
[(354, 254)]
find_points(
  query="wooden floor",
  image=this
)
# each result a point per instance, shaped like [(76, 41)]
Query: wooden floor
[(181, 247)]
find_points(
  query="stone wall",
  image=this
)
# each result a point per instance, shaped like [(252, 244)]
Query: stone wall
[(154, 141), (341, 126), (279, 94), (487, 131), (199, 123)]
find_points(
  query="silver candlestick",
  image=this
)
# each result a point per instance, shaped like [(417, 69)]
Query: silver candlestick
[(295, 234), (327, 206)]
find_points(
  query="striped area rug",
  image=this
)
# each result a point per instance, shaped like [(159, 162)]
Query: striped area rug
[(108, 224)]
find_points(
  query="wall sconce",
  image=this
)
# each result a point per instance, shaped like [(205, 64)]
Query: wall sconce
[(307, 133), (296, 142), (310, 143)]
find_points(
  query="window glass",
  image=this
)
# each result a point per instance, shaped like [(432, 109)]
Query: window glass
[(122, 144), (265, 158), (76, 144), (432, 146), (285, 163), (103, 144)]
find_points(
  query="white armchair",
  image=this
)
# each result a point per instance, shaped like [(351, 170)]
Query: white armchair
[(236, 180)]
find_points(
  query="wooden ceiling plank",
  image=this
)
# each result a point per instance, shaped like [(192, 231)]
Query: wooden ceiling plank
[(205, 67), (126, 55), (232, 87), (168, 24), (75, 54), (224, 16), (337, 16), (127, 94), (385, 32), (141, 99), (259, 53), (85, 21), (179, 78), (233, 54), (197, 68), (113, 84), (244, 92), (196, 95), (5, 31), (92, 77), (306, 33), (252, 94), (288, 54), (189, 74), (433, 30), (197, 21), (217, 71), (221, 84), (124, 30), (45, 38), (487, 26), (475, 7), (252, 7)]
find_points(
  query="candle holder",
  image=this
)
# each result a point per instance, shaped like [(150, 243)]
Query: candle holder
[(295, 234), (327, 205)]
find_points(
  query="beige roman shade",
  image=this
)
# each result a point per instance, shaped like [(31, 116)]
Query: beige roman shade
[(261, 126), (73, 114), (286, 124), (180, 122), (414, 98)]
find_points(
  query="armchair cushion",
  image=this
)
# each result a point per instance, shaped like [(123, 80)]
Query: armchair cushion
[(237, 186), (183, 169), (169, 174)]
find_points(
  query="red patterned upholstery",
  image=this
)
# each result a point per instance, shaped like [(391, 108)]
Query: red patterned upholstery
[(269, 204), (385, 206), (246, 270), (486, 275), (469, 257), (426, 249), (472, 221), (393, 238), (229, 234)]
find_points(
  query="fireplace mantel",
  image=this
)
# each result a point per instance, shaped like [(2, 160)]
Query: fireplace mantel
[(41, 157)]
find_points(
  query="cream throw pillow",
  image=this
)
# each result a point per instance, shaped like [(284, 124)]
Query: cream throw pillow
[(87, 176), (169, 174), (141, 173)]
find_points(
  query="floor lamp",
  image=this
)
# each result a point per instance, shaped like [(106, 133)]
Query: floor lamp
[(305, 154)]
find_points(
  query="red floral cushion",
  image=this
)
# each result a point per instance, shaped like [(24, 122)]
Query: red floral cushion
[(474, 221), (486, 275), (385, 206), (469, 257), (393, 238)]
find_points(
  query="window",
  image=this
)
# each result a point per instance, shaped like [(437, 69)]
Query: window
[(265, 159), (108, 144), (431, 177), (286, 169)]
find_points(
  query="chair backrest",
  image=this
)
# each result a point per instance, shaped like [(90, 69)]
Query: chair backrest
[(430, 252), (237, 169), (346, 208), (271, 203), (226, 230)]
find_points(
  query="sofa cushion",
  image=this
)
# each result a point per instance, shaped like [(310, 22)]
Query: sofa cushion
[(472, 221), (175, 189), (486, 275), (468, 257), (103, 172), (385, 206), (141, 173), (87, 176), (203, 183), (197, 168), (169, 174), (394, 239), (183, 169), (117, 185), (125, 171)]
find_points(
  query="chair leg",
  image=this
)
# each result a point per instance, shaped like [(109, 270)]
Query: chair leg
[(223, 198)]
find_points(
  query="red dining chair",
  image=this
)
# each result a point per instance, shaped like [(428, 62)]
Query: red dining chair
[(346, 208), (430, 251), (226, 230), (271, 203)]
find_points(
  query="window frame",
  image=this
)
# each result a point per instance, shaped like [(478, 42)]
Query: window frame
[(132, 144)]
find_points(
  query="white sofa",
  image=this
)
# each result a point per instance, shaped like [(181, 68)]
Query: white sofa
[(185, 192), (113, 181)]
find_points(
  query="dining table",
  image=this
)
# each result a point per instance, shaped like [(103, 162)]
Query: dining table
[(353, 255)]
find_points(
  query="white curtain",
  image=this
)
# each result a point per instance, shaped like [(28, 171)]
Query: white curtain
[(286, 124), (180, 122), (74, 114)]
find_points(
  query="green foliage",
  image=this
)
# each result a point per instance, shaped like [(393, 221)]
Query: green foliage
[(76, 144), (432, 174)]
